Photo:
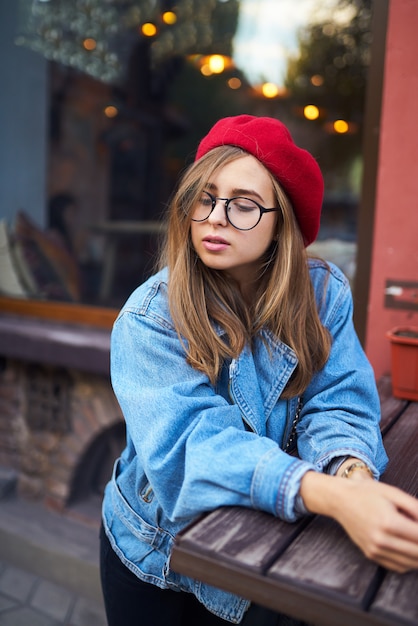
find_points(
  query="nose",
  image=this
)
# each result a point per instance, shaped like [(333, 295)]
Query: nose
[(218, 215)]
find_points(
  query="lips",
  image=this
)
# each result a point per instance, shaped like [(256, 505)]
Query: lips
[(215, 239), (214, 243)]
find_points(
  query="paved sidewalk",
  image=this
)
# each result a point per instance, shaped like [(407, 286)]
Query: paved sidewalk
[(30, 600), (49, 568)]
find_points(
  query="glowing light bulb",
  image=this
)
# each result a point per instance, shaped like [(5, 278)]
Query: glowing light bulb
[(90, 43), (206, 70), (340, 127), (216, 63), (234, 83), (269, 90), (169, 17), (110, 111), (317, 80), (311, 112), (149, 29)]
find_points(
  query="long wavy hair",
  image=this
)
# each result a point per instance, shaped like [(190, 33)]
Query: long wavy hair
[(201, 298)]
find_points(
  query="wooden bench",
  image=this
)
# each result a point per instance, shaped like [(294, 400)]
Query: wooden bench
[(310, 570)]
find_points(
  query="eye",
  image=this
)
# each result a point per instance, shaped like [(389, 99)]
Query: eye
[(205, 199), (244, 205)]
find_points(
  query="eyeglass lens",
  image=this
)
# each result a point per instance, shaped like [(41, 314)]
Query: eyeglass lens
[(243, 213)]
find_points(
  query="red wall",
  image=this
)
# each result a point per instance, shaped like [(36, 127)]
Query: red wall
[(395, 246)]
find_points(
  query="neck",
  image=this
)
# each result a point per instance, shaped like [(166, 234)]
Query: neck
[(248, 291)]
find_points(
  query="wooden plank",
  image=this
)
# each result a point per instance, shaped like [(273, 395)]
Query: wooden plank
[(281, 596), (397, 598), (326, 562), (402, 449), (248, 538), (231, 548), (390, 407)]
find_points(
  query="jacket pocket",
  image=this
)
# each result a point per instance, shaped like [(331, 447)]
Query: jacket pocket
[(141, 546), (141, 529), (122, 510)]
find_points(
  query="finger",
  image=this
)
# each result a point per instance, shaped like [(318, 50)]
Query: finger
[(396, 560), (395, 553), (403, 527), (403, 501), (394, 565), (410, 508), (397, 563)]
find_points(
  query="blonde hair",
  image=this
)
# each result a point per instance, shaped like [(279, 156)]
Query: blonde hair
[(201, 298)]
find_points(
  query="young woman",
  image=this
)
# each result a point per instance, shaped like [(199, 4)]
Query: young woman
[(237, 354)]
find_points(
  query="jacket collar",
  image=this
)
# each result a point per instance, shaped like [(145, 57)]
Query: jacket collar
[(258, 377)]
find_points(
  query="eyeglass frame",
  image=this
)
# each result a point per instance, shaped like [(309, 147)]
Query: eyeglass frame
[(227, 201)]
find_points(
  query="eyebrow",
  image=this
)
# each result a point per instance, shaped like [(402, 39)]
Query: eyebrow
[(238, 191)]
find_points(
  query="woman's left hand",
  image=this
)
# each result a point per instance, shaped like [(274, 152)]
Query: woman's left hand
[(382, 520)]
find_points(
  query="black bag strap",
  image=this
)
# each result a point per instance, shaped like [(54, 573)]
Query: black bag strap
[(291, 440)]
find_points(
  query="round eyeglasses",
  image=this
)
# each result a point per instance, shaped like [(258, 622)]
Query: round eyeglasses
[(241, 213)]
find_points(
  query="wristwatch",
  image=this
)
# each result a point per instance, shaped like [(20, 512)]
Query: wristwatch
[(357, 465)]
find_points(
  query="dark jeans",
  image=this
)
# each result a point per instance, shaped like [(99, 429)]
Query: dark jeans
[(131, 602)]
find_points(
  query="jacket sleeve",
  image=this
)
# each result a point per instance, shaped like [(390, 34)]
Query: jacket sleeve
[(190, 442), (341, 411)]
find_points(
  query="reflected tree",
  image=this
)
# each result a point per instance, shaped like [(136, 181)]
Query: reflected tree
[(330, 72), (332, 65)]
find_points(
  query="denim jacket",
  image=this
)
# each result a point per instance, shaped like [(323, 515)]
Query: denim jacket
[(192, 446)]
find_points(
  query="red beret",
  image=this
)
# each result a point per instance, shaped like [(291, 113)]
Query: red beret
[(271, 143)]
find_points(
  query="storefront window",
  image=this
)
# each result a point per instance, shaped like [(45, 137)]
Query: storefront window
[(131, 87)]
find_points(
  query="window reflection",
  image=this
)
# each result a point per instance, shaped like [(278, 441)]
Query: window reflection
[(132, 88)]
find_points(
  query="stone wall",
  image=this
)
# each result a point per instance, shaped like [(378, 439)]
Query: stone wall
[(50, 419)]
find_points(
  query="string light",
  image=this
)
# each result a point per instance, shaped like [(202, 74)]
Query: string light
[(90, 43), (212, 63), (311, 112), (107, 32), (317, 80), (269, 90), (111, 111), (216, 63), (205, 70), (234, 83), (148, 29), (340, 127), (169, 17)]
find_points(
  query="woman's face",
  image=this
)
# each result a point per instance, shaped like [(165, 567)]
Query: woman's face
[(221, 246)]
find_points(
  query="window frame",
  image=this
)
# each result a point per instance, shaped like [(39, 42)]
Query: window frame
[(99, 317)]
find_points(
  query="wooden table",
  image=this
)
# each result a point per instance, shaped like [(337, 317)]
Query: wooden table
[(310, 570)]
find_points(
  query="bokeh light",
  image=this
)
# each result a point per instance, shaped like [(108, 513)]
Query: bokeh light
[(89, 43), (149, 29), (341, 127), (311, 112)]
